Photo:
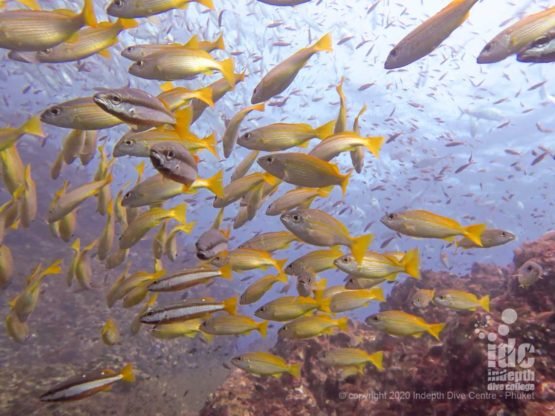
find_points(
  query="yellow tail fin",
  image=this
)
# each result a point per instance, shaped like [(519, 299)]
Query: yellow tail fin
[(323, 303), (227, 272), (263, 329), (484, 303), (281, 277), (210, 143), (325, 130), (206, 3), (54, 268), (76, 245), (345, 183), (411, 262), (324, 44), (88, 15), (295, 370), (343, 324), (435, 329), (215, 184), (374, 144), (280, 264), (183, 119), (32, 4), (33, 126), (474, 233), (377, 359), (256, 107), (230, 306), (226, 67), (376, 293), (167, 86), (127, 373), (359, 245), (127, 23), (205, 95), (219, 43), (180, 213)]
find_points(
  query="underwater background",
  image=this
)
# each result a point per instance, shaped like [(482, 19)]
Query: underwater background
[(472, 142)]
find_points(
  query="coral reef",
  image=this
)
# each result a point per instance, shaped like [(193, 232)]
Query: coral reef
[(421, 376)]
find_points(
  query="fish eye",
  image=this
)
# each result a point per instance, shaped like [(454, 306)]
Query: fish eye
[(504, 234), (345, 260), (270, 159), (140, 63), (262, 308), (116, 99), (529, 268), (171, 154), (128, 195), (391, 216), (55, 111), (487, 48), (375, 318), (248, 135), (296, 217), (129, 48), (239, 358), (118, 3), (47, 51), (393, 53), (129, 142)]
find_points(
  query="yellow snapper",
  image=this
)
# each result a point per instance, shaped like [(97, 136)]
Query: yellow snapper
[(342, 357), (346, 142), (341, 122), (265, 364), (219, 89), (26, 301), (71, 199), (175, 64), (291, 307), (138, 52), (423, 297), (28, 207), (282, 136), (257, 289), (233, 325), (189, 309), (176, 97), (36, 30), (13, 171), (361, 283), (189, 328), (401, 323), (297, 198), (148, 220), (270, 242), (10, 135), (73, 143), (318, 228), (230, 134), (518, 36), (79, 114), (87, 42), (184, 279), (85, 385), (304, 170), (106, 239), (312, 326), (461, 300), (170, 248), (357, 155), (242, 259), (139, 143), (491, 237), (145, 8), (429, 35), (110, 333), (244, 166), (19, 331), (314, 262), (238, 188), (157, 189), (282, 75), (381, 266), (426, 224), (353, 299), (6, 265)]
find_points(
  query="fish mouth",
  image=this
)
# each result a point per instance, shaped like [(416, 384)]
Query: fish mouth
[(157, 159)]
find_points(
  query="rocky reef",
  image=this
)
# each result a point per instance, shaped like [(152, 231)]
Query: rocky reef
[(421, 375)]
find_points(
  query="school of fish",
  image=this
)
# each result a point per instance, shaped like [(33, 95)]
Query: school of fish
[(290, 164)]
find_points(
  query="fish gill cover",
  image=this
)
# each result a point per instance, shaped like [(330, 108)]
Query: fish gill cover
[(205, 170)]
